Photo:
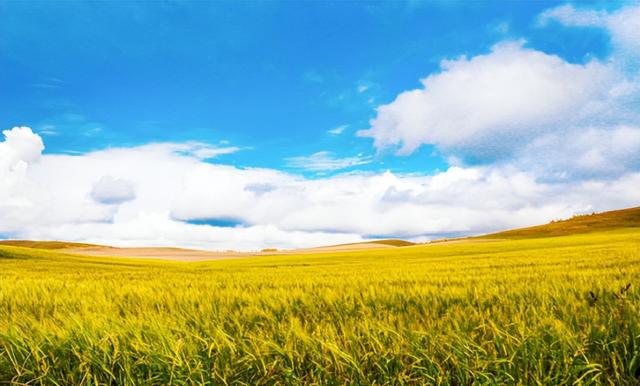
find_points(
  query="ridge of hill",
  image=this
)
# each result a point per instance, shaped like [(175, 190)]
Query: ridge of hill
[(615, 219), (45, 244), (389, 242)]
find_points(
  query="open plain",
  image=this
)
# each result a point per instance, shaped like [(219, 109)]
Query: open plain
[(530, 310)]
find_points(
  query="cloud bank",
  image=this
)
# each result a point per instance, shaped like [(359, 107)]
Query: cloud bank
[(148, 195)]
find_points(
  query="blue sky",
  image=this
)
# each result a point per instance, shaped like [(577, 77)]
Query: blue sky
[(246, 125), (272, 78)]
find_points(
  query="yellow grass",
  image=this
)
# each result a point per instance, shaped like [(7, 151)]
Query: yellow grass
[(623, 218), (533, 311), (43, 244)]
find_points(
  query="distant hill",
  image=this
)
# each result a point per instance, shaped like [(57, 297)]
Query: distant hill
[(387, 242), (361, 246), (615, 219), (44, 244), (189, 254), (394, 242), (624, 218)]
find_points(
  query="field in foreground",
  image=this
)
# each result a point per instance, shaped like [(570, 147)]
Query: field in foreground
[(547, 310)]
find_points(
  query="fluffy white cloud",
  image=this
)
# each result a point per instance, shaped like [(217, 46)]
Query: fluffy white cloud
[(492, 105), (20, 149), (274, 209), (21, 145), (529, 109)]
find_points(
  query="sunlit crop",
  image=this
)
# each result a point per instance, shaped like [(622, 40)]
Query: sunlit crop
[(537, 311)]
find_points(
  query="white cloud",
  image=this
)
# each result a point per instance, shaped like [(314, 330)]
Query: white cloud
[(491, 104), (502, 28), (109, 190), (623, 25), (591, 152), (48, 130), (530, 109), (325, 161), (195, 149), (20, 148), (20, 145), (206, 152), (275, 209), (568, 15), (338, 130)]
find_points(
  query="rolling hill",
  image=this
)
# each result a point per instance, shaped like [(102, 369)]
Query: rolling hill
[(53, 245), (183, 254), (615, 219)]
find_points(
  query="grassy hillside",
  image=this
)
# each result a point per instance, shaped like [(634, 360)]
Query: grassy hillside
[(537, 311), (43, 244), (616, 219), (390, 242), (395, 242)]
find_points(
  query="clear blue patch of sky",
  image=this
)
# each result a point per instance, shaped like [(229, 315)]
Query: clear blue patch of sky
[(271, 77), (217, 222), (6, 236)]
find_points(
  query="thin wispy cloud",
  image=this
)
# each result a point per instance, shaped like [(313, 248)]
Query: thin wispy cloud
[(49, 83), (338, 130), (48, 130), (325, 161), (198, 150)]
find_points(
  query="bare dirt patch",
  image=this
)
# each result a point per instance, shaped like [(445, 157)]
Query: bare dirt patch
[(180, 254), (161, 253)]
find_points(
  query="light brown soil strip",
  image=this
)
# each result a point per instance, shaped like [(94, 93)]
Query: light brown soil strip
[(179, 254)]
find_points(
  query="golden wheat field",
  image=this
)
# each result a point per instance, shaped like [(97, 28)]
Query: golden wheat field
[(554, 310)]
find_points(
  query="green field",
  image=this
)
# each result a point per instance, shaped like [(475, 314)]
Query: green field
[(546, 310)]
